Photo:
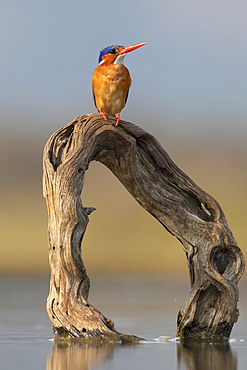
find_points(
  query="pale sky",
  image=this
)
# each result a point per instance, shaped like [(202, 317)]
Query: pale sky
[(191, 75)]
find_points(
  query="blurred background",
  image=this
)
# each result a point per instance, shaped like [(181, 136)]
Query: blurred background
[(189, 91)]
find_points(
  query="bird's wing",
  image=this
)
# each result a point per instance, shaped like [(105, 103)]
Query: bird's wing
[(126, 97), (94, 100)]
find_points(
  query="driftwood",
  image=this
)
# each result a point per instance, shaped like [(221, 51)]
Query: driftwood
[(137, 159)]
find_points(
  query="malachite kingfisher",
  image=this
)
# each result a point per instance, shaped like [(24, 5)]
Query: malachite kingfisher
[(111, 80)]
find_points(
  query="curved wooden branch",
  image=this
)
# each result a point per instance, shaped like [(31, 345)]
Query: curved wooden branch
[(160, 187)]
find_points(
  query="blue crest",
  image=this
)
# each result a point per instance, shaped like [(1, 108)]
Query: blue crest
[(106, 51)]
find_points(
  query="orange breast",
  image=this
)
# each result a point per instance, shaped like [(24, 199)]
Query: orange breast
[(111, 83)]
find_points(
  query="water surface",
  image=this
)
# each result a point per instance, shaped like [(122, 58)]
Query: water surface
[(140, 306)]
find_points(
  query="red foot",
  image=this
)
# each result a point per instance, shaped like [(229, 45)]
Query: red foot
[(118, 119), (103, 114)]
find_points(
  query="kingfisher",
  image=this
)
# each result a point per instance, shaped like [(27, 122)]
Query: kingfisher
[(111, 80)]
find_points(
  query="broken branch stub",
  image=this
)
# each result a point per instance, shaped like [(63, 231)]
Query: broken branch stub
[(137, 159)]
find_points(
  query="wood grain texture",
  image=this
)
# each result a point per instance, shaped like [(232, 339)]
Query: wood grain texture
[(137, 159)]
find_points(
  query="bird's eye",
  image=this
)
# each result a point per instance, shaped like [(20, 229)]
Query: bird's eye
[(112, 51)]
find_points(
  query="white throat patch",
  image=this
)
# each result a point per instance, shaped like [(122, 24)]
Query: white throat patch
[(120, 59)]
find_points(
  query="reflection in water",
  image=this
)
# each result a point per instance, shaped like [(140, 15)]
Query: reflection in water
[(78, 355), (191, 355), (206, 355)]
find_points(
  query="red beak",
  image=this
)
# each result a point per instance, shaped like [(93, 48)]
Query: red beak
[(127, 49)]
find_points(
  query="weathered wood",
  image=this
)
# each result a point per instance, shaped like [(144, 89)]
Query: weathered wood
[(137, 159)]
